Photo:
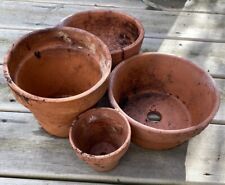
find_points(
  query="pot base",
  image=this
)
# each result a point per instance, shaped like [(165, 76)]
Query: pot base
[(158, 110), (102, 148)]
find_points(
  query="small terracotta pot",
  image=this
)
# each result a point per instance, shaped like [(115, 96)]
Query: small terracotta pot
[(100, 137), (166, 99), (122, 33), (58, 73)]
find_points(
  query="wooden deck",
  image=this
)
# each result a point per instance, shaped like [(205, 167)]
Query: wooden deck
[(194, 29)]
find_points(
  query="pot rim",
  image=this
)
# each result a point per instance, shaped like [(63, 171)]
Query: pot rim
[(23, 93), (125, 144), (133, 122), (138, 25)]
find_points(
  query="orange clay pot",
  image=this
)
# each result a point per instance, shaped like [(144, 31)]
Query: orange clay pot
[(166, 99), (58, 73), (122, 33), (100, 137)]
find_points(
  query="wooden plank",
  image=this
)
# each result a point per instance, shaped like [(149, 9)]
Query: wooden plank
[(208, 55), (7, 37), (207, 6), (103, 3), (158, 24), (27, 151), (19, 181), (16, 181), (9, 104), (220, 116), (172, 5), (203, 162), (41, 157)]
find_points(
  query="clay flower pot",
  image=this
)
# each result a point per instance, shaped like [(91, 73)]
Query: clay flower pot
[(122, 33), (58, 73), (166, 99), (100, 137)]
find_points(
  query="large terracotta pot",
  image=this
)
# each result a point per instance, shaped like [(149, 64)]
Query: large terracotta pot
[(58, 73), (100, 137), (122, 33), (166, 99)]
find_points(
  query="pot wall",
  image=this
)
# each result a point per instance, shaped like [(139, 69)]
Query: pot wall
[(46, 84), (160, 79)]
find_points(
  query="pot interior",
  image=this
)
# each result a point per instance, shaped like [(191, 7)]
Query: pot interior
[(163, 91), (53, 65), (99, 132), (58, 72), (115, 30)]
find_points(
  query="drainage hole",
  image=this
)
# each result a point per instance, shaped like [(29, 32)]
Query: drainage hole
[(154, 116)]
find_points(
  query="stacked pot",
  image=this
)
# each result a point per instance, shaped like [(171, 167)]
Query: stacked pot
[(59, 73)]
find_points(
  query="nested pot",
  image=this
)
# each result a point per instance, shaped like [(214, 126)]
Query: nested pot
[(167, 99), (100, 137), (58, 73), (123, 34)]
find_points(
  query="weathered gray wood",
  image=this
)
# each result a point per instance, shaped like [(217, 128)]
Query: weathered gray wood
[(208, 6), (16, 181), (104, 3), (158, 24), (7, 37), (7, 100), (19, 181), (26, 150), (208, 55), (204, 158), (8, 103)]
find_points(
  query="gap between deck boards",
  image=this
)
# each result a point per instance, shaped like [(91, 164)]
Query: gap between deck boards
[(39, 155), (23, 181), (140, 4), (161, 24), (146, 36), (93, 180)]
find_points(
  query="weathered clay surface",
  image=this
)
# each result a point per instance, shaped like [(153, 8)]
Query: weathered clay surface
[(166, 99), (54, 72), (172, 112), (100, 137), (58, 73), (122, 34)]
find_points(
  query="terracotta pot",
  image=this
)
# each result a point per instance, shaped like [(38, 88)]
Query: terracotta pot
[(166, 99), (122, 33), (58, 73), (100, 137)]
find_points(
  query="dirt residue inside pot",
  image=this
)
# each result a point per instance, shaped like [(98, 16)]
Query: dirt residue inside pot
[(114, 33), (158, 110), (102, 148), (58, 72), (102, 137)]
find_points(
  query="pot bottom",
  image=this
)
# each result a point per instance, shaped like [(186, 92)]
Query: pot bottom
[(102, 148), (158, 110)]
